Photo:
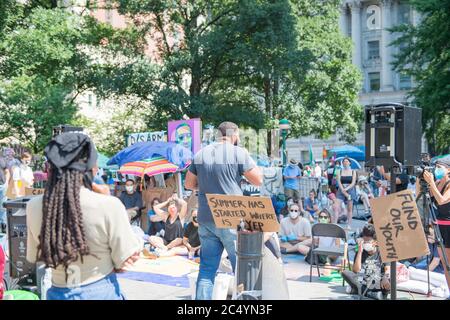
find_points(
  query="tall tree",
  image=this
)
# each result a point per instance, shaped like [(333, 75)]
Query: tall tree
[(250, 61), (425, 56), (48, 56)]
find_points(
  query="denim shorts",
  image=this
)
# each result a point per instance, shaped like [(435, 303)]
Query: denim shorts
[(103, 289)]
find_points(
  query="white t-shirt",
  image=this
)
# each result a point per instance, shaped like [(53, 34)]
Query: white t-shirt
[(302, 228), (109, 236), (23, 173), (317, 171)]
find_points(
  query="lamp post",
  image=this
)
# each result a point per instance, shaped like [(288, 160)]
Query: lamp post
[(284, 127)]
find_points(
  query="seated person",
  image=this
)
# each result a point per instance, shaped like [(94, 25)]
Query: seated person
[(435, 261), (364, 193), (191, 239), (155, 222), (369, 277), (173, 227), (295, 232), (327, 242), (131, 199), (312, 204), (336, 208), (285, 211)]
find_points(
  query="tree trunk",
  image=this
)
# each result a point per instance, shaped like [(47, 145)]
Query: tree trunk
[(268, 106)]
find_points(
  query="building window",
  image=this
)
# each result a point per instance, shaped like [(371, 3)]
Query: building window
[(404, 13), (374, 81), (373, 49), (405, 82)]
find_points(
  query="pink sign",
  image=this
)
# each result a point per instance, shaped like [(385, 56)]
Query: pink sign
[(186, 133)]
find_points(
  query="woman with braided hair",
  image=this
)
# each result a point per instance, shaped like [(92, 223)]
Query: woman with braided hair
[(82, 234)]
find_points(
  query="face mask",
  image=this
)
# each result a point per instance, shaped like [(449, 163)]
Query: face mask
[(293, 214), (323, 220), (439, 173), (129, 189), (194, 219), (346, 166), (369, 247)]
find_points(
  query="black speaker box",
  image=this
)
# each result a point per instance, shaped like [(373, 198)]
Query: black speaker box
[(393, 130), (20, 268)]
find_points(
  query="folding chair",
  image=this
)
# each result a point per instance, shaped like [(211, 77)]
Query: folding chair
[(333, 231)]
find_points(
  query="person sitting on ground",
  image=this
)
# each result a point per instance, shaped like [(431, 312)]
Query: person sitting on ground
[(295, 232), (285, 211), (364, 193), (338, 213), (155, 222), (368, 267), (191, 239), (312, 203), (172, 240), (131, 199)]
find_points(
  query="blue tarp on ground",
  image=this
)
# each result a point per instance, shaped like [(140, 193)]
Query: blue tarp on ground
[(350, 151), (182, 282)]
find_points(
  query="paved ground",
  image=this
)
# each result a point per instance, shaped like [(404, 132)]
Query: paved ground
[(297, 275)]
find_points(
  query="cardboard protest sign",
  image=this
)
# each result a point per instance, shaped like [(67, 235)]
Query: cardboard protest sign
[(146, 136), (33, 191), (398, 226), (257, 212)]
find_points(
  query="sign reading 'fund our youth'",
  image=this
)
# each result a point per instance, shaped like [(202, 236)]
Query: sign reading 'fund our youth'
[(398, 227), (256, 212)]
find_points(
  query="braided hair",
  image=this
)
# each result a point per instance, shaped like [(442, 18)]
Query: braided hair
[(62, 239)]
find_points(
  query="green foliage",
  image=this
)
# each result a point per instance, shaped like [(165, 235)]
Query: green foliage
[(48, 57), (425, 55), (249, 61)]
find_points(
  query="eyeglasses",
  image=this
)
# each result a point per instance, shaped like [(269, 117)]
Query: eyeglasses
[(323, 217), (294, 210)]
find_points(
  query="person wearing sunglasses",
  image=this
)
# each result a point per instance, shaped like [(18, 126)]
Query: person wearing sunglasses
[(324, 216), (295, 233)]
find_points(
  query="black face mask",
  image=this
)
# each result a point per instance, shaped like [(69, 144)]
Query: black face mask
[(194, 219), (236, 143)]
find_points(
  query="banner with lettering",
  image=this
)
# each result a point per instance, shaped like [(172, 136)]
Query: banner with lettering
[(257, 213), (34, 191), (398, 226), (146, 136)]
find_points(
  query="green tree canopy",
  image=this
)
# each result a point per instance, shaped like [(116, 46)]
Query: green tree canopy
[(48, 56), (425, 56)]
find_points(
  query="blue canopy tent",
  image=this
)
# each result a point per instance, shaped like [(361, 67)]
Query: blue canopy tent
[(349, 151)]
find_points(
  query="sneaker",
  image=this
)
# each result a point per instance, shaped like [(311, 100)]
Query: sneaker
[(378, 295)]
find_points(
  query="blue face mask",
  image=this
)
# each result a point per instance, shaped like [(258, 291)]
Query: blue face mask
[(439, 173)]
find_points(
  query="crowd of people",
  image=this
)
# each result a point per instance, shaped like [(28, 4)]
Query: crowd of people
[(346, 189), (86, 235)]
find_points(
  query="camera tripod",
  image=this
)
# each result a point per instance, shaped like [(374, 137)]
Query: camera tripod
[(429, 219)]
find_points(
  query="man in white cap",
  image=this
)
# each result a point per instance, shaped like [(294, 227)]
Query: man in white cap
[(291, 175)]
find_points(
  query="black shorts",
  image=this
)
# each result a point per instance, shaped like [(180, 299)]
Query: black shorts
[(445, 233)]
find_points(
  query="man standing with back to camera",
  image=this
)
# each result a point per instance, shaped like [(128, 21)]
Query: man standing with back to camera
[(217, 169)]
